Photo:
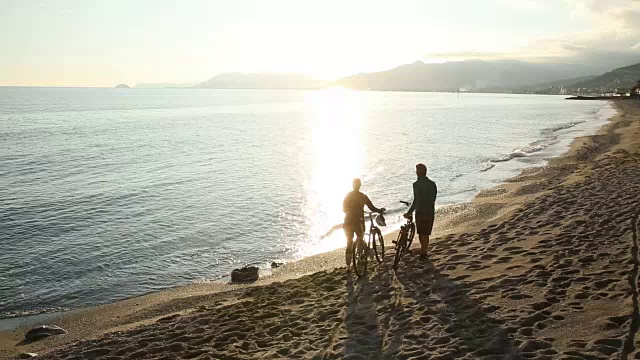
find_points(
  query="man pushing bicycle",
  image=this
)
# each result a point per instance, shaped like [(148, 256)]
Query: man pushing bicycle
[(353, 207), (424, 198)]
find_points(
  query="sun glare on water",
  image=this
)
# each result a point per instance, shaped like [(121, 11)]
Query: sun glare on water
[(337, 155)]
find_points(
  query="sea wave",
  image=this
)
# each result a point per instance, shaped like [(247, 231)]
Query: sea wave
[(550, 137), (487, 166), (32, 312), (532, 148), (556, 128)]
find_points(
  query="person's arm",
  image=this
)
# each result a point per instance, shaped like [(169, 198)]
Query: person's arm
[(413, 205), (370, 205), (344, 205)]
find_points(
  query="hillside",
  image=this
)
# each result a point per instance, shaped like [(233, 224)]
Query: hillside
[(562, 83), (624, 77), (472, 75), (261, 81)]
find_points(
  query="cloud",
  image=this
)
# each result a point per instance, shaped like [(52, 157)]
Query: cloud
[(523, 4), (602, 50), (464, 55), (573, 47), (612, 39), (623, 16)]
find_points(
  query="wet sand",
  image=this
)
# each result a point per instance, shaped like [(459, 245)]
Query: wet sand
[(543, 266)]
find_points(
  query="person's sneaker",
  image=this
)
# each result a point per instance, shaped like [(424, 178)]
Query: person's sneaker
[(348, 268), (424, 256)]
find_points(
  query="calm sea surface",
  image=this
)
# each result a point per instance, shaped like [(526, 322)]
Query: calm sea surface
[(110, 193)]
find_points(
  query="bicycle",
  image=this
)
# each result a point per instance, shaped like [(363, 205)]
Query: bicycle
[(404, 240), (361, 250)]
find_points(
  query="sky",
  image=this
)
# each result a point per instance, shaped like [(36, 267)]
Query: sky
[(104, 43)]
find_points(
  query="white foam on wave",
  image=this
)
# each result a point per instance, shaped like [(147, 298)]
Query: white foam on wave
[(487, 166), (557, 134), (532, 148), (552, 129)]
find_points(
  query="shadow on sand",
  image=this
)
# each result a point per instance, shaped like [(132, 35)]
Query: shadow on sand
[(361, 320), (420, 313)]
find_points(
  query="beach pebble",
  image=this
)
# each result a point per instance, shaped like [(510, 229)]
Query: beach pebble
[(44, 331), (276, 264), (245, 274)]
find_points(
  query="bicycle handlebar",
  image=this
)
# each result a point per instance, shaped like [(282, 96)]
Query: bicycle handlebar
[(406, 203)]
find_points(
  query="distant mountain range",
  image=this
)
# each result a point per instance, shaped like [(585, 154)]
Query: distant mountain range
[(624, 77), (566, 83), (563, 82), (471, 75), (262, 81)]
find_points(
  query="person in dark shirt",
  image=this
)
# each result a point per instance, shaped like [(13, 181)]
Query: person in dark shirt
[(353, 207), (424, 199)]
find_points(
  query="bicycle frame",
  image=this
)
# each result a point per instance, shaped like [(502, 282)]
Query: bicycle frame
[(408, 224), (403, 242), (372, 226), (368, 246), (369, 235), (404, 229)]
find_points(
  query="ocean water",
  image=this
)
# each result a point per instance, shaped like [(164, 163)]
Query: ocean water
[(111, 193)]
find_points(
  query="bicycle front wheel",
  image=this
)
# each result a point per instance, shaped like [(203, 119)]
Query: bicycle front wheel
[(410, 235), (360, 257), (378, 245), (400, 248)]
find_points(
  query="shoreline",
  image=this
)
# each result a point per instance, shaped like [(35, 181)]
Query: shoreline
[(531, 160), (534, 159), (486, 209)]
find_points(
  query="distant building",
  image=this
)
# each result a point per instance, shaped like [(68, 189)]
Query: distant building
[(634, 90)]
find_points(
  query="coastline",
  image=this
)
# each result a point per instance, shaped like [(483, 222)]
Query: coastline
[(486, 210), (459, 187)]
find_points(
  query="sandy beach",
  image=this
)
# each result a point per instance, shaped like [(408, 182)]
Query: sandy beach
[(543, 266)]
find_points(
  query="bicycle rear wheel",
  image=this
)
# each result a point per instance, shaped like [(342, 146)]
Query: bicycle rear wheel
[(378, 245), (360, 257), (400, 248)]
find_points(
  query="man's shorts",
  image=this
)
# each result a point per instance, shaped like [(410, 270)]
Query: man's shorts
[(424, 223), (354, 228)]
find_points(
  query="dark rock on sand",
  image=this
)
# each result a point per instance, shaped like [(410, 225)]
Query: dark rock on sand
[(276, 264), (41, 332), (27, 355), (245, 274)]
